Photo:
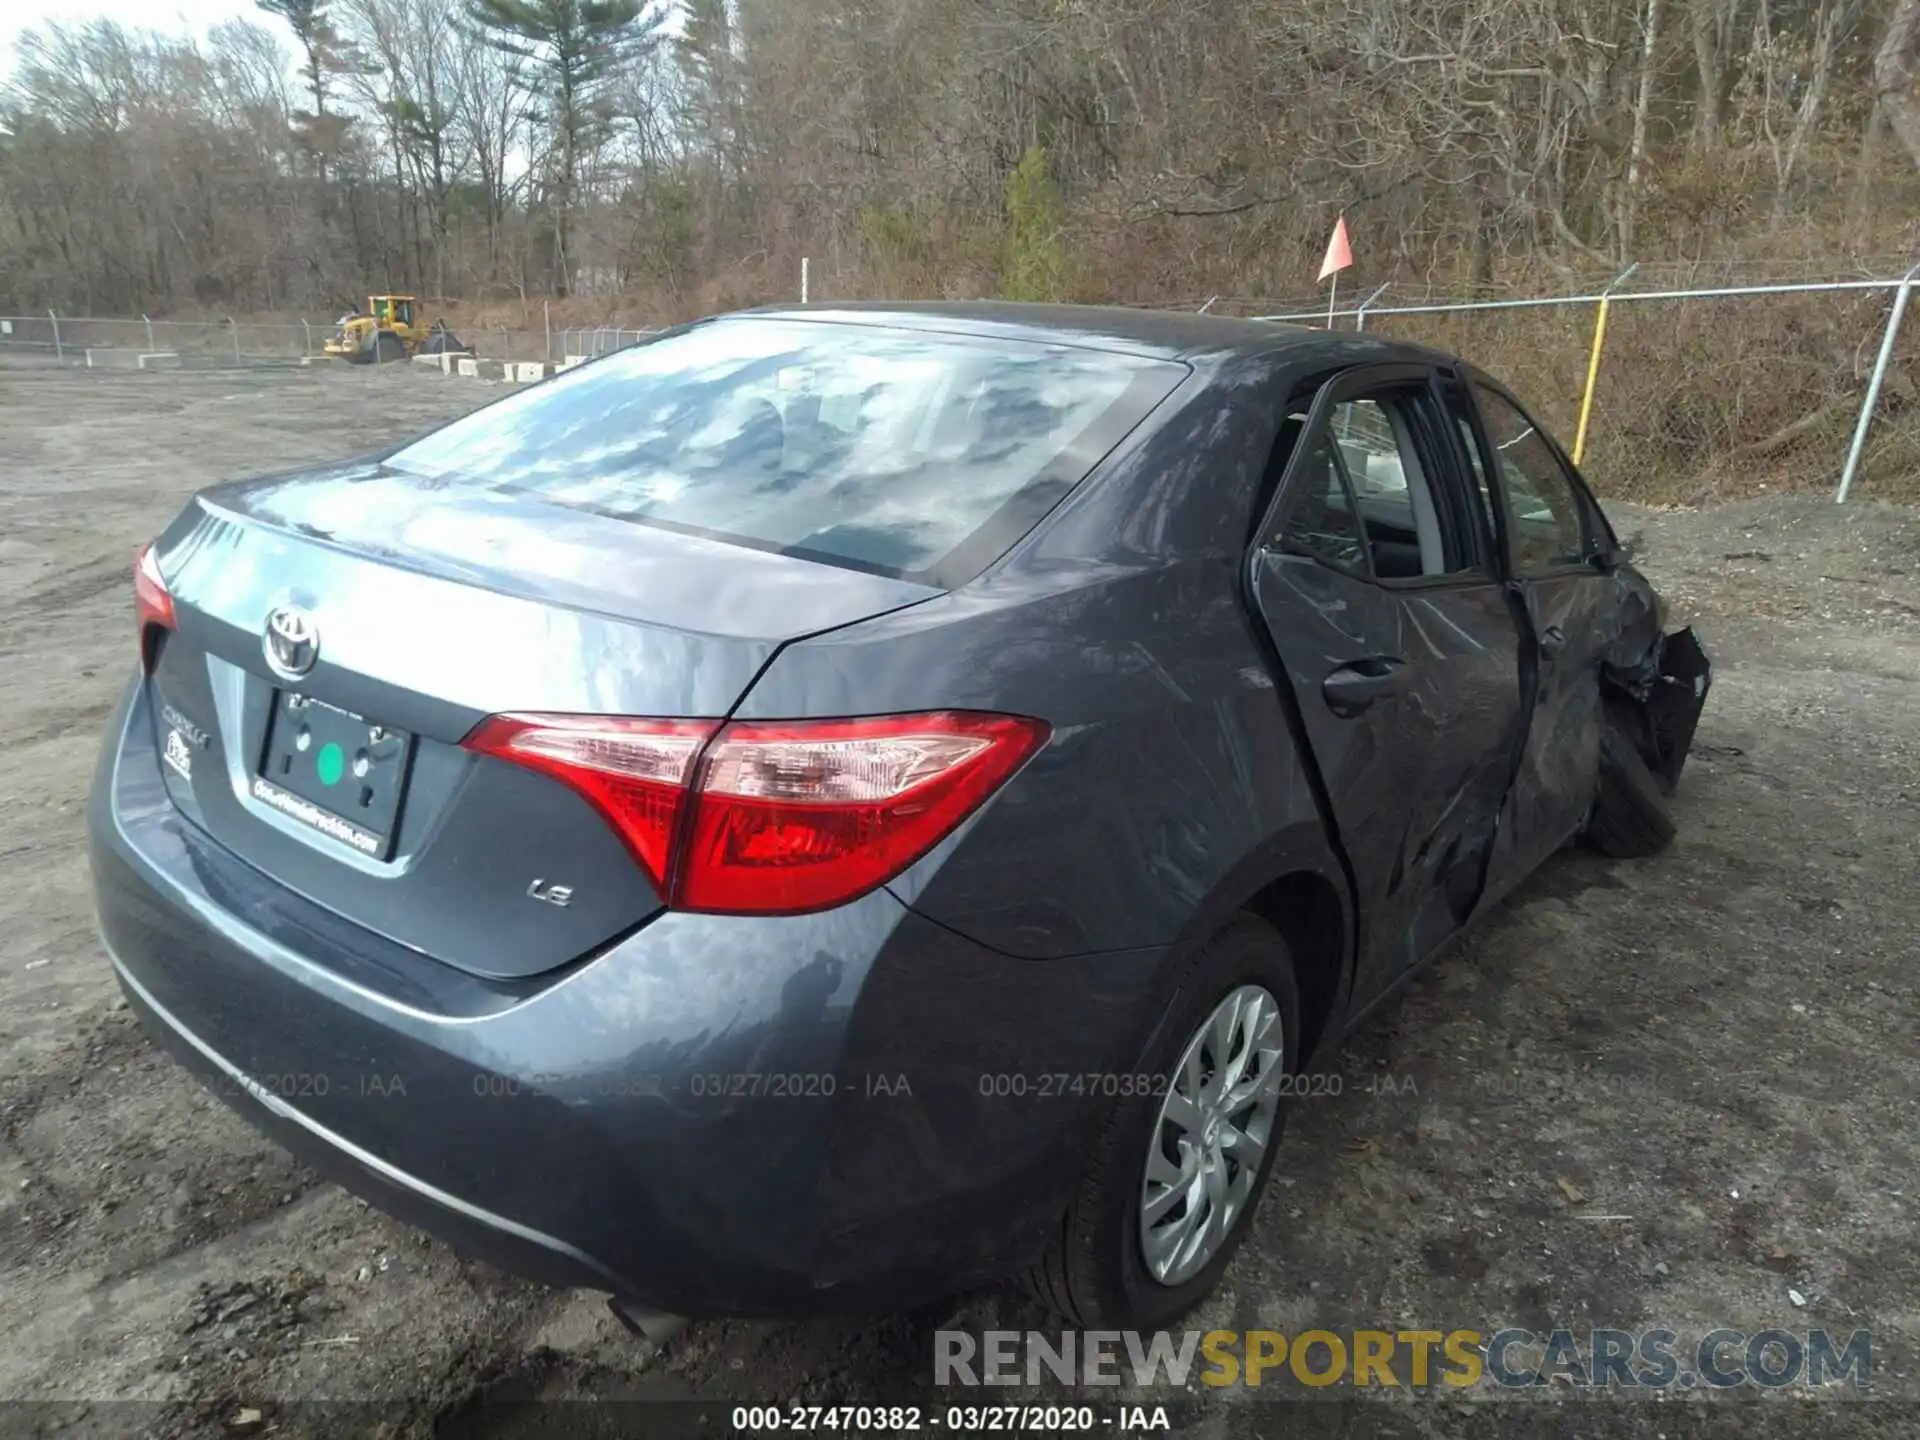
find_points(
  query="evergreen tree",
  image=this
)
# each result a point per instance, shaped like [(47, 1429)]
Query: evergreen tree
[(580, 44)]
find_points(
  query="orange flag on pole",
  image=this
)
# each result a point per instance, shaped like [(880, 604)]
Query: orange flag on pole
[(1339, 257), (1339, 250)]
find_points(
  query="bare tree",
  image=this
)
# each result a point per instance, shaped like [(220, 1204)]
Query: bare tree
[(487, 99), (1810, 60), (1896, 73), (1715, 28), (1169, 147)]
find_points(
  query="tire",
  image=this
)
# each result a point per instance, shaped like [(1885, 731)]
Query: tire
[(1095, 1274), (387, 349), (1631, 817)]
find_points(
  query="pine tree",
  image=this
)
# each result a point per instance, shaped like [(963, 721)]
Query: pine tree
[(1032, 259), (579, 43), (326, 56)]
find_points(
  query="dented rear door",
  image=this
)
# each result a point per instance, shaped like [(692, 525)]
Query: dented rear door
[(1409, 693)]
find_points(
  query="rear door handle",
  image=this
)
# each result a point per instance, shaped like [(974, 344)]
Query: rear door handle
[(1356, 685), (1552, 641)]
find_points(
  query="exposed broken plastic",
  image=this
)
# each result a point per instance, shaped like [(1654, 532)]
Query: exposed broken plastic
[(1673, 709), (1667, 686)]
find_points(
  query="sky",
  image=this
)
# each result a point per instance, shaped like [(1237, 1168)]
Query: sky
[(169, 16), (172, 16)]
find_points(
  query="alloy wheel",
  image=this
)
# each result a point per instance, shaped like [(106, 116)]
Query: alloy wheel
[(1211, 1135)]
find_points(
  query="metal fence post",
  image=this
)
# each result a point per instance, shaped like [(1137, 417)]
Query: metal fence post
[(306, 338), (546, 319), (1593, 360), (59, 355), (149, 324), (805, 264), (236, 339), (1360, 315), (1859, 446)]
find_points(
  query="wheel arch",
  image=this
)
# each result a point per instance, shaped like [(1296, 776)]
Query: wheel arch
[(1307, 909), (1293, 882)]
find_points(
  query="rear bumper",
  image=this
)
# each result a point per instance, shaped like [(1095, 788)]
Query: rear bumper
[(467, 1227), (712, 1116)]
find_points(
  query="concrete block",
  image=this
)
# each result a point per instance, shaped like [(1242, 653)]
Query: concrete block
[(159, 360), (528, 370), (469, 367)]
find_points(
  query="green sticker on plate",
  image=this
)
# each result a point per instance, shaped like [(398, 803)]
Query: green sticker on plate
[(330, 763)]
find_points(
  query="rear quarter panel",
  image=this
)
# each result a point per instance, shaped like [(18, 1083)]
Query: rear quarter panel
[(1172, 787)]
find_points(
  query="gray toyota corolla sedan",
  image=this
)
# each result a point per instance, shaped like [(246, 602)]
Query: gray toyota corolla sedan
[(827, 807)]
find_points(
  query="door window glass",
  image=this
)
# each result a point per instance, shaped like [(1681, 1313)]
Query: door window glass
[(1458, 409), (1373, 440), (1542, 508), (1322, 522)]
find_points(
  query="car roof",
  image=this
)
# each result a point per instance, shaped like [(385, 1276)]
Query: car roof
[(1163, 334)]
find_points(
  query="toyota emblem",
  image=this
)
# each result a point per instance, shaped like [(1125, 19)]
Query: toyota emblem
[(292, 642)]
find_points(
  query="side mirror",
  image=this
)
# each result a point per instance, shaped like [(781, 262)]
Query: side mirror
[(1609, 559)]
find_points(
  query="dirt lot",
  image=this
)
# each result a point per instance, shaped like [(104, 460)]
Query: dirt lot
[(1717, 1048)]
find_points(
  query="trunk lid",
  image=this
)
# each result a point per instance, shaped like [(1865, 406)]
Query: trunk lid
[(431, 608)]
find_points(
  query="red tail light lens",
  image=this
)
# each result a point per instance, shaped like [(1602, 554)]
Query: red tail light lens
[(633, 771), (802, 816), (785, 818), (152, 601)]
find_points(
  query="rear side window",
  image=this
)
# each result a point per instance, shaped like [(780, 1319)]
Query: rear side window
[(922, 456), (1322, 522), (1367, 501)]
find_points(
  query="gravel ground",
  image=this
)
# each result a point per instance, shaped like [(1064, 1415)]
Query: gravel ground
[(1717, 1047)]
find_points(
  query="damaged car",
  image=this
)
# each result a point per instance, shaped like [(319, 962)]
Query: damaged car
[(831, 806)]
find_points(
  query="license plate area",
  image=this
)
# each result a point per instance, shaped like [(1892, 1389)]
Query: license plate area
[(335, 772)]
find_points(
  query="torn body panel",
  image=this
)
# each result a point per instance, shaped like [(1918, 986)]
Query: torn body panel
[(1665, 691), (1655, 683)]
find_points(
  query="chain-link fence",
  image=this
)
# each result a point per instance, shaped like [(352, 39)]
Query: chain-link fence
[(1699, 381), (1715, 382), (585, 342), (143, 343)]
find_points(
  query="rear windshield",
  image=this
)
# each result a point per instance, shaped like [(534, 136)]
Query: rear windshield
[(921, 456)]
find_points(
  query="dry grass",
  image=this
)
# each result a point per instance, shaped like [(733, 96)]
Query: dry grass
[(1702, 401)]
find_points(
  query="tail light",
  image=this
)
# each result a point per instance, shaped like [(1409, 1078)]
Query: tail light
[(152, 601), (773, 819), (634, 772), (802, 816)]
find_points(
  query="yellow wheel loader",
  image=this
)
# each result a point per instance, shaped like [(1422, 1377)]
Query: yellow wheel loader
[(388, 330)]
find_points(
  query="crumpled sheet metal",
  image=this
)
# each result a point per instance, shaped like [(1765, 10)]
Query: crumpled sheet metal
[(1668, 682)]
